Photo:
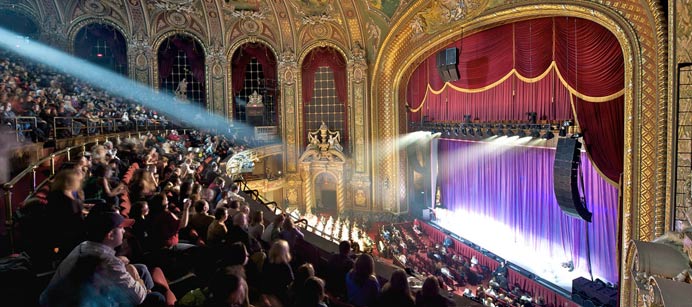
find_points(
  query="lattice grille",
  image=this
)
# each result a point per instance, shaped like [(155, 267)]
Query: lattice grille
[(181, 70), (325, 105)]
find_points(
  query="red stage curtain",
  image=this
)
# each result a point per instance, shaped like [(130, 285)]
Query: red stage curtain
[(324, 56), (243, 56), (587, 56)]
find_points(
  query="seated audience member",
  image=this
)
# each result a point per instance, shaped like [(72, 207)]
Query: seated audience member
[(271, 232), (165, 225), (201, 220), (277, 274), (396, 292), (228, 289), (98, 185), (216, 234), (303, 272), (290, 233), (312, 294), (362, 287), (235, 189), (237, 230), (92, 275), (430, 296), (337, 267), (64, 212), (256, 225)]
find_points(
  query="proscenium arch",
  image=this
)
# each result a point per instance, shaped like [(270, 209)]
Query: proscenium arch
[(229, 71), (299, 81), (80, 23), (634, 212), (155, 66)]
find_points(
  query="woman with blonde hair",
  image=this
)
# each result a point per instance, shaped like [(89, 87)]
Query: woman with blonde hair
[(277, 274)]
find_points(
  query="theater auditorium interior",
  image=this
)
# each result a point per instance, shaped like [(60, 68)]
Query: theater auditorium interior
[(346, 153)]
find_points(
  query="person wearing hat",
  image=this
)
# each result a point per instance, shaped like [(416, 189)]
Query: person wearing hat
[(93, 275)]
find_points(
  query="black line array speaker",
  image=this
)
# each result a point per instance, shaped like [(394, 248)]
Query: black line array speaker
[(593, 293), (447, 64), (565, 179)]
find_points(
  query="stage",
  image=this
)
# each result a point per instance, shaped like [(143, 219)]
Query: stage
[(466, 228)]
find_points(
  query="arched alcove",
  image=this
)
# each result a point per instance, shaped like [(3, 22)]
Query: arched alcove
[(325, 92), (19, 23), (181, 68), (254, 70), (103, 45)]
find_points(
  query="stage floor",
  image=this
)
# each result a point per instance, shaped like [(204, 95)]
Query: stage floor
[(488, 236)]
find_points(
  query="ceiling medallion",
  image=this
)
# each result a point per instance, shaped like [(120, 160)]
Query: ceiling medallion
[(250, 26), (320, 30), (176, 19), (94, 7)]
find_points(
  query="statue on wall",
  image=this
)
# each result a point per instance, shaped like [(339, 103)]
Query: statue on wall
[(324, 140), (181, 91)]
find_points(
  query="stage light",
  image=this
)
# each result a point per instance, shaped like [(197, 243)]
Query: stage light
[(535, 133), (522, 133), (567, 123), (563, 131), (576, 135), (548, 135)]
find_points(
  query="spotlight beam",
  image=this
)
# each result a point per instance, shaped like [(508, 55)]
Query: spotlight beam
[(116, 84)]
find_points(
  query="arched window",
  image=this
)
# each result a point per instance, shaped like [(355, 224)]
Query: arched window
[(181, 68), (324, 92), (19, 23), (254, 70), (103, 45)]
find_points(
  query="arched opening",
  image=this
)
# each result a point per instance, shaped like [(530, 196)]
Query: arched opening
[(182, 68), (253, 69), (19, 23), (324, 93), (325, 194), (103, 45), (562, 69)]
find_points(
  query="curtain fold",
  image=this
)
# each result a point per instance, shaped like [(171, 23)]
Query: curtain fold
[(324, 56), (544, 65), (194, 52), (243, 56), (509, 190)]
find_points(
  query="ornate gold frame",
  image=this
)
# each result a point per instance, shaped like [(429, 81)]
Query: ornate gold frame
[(644, 159)]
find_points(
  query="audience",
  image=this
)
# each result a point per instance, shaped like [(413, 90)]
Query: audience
[(430, 296), (396, 292), (201, 220), (92, 274), (277, 274), (362, 286)]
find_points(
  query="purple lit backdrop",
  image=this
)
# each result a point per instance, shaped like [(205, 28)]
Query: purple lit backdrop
[(514, 186)]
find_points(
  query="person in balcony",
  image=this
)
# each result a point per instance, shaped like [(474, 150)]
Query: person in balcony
[(64, 212)]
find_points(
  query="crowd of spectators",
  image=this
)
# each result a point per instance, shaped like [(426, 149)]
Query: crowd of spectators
[(32, 90), (152, 222), (409, 247)]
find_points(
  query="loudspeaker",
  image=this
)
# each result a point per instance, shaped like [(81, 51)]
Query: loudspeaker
[(447, 64), (593, 293), (565, 179)]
